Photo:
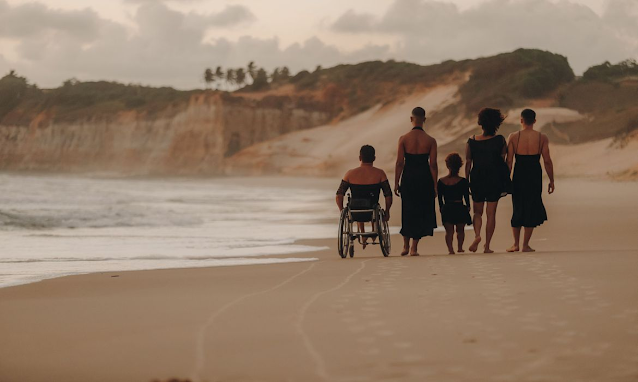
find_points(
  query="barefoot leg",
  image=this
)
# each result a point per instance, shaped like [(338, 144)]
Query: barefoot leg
[(406, 246), (478, 223), (414, 250), (362, 229), (491, 225), (449, 237), (460, 237), (526, 237), (516, 231)]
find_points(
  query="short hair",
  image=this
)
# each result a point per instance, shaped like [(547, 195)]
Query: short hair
[(529, 116), (490, 120), (367, 154), (418, 112), (454, 162)]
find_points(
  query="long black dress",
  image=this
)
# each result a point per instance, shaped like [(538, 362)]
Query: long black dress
[(486, 177), (527, 190), (418, 216)]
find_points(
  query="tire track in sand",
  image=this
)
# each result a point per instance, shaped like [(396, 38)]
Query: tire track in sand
[(320, 364), (200, 341)]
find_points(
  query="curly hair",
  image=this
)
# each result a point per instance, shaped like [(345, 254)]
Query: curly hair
[(454, 162), (490, 120)]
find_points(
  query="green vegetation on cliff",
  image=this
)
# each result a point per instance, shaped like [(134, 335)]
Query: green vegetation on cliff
[(506, 80), (607, 71)]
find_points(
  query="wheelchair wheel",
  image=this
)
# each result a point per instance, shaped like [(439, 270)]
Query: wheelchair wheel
[(344, 234), (352, 251), (383, 231)]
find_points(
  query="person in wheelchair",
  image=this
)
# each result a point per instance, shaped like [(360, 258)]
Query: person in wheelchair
[(365, 183)]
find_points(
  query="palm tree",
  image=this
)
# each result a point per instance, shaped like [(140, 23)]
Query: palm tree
[(240, 77), (209, 77), (251, 69), (230, 76), (219, 74), (261, 79), (274, 77), (284, 75)]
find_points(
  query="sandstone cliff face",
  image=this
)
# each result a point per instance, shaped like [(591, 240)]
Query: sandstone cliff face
[(188, 140)]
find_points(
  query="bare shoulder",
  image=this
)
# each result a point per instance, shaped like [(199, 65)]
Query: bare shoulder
[(348, 174), (512, 136), (382, 174), (544, 138)]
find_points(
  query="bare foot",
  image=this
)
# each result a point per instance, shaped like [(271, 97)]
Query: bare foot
[(405, 252), (460, 250), (450, 253), (415, 254), (475, 243), (528, 249), (513, 248), (487, 250)]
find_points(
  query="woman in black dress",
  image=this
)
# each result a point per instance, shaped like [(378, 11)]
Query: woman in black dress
[(485, 168), (527, 146), (452, 191), (416, 171)]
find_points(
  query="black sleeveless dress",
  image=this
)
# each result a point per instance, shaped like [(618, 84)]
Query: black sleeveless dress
[(527, 190), (486, 176), (418, 216), (453, 210)]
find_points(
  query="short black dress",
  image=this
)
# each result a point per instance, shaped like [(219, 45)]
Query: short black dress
[(418, 215), (527, 190), (486, 176), (453, 210)]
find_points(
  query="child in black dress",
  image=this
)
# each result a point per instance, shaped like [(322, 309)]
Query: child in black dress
[(454, 213)]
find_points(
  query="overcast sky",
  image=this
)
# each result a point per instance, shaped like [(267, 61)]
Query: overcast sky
[(171, 42)]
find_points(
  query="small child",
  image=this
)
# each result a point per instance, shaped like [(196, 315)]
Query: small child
[(452, 190)]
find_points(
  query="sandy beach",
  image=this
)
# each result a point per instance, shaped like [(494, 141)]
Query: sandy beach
[(566, 313)]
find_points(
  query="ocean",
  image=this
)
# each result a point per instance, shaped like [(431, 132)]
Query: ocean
[(52, 226)]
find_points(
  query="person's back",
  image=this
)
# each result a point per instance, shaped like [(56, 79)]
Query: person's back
[(366, 183), (525, 149), (417, 142), (415, 181)]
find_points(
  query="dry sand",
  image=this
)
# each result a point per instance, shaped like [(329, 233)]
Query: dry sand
[(566, 313)]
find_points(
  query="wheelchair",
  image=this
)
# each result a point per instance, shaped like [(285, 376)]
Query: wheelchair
[(361, 211)]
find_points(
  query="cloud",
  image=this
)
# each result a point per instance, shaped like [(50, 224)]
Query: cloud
[(438, 30), (168, 47), (32, 20), (353, 22)]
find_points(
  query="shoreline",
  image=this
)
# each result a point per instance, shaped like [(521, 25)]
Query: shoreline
[(564, 313)]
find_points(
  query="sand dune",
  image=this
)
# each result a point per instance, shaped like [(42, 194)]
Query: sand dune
[(330, 150)]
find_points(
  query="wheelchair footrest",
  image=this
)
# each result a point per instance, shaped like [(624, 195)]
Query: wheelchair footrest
[(368, 234)]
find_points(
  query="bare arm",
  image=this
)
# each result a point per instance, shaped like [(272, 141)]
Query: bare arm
[(466, 196), (341, 191), (387, 193), (510, 152), (434, 165), (468, 161), (440, 197), (398, 170), (549, 165)]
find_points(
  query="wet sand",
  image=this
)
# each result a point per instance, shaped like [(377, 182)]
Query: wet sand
[(568, 312)]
